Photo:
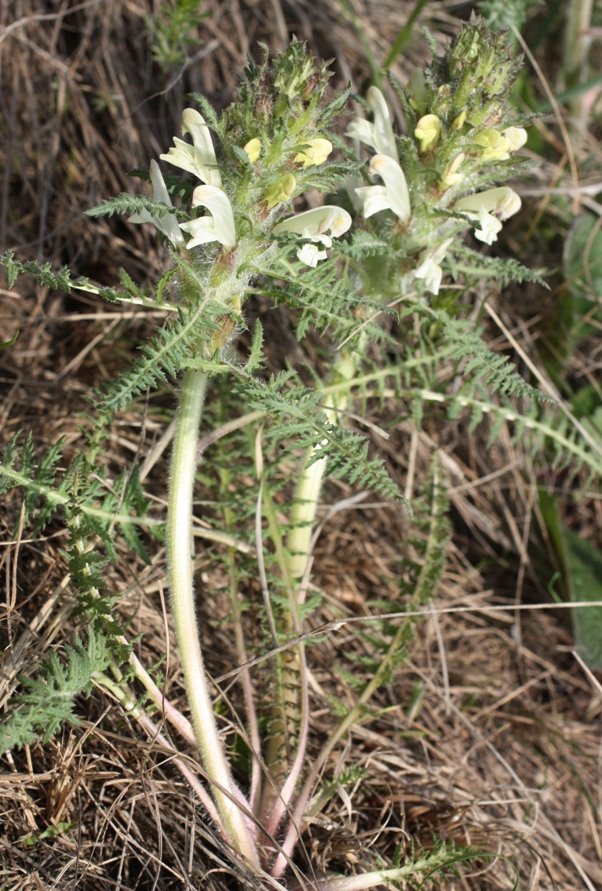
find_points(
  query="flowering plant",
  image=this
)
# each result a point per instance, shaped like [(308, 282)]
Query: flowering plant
[(230, 228)]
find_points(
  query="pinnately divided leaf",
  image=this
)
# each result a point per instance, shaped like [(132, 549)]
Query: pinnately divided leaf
[(48, 700), (300, 422)]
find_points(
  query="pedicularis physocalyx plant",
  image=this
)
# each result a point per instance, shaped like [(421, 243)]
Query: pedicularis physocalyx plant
[(230, 231)]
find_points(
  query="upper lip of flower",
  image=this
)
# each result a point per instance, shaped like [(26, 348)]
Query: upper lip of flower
[(167, 223), (378, 135), (217, 227), (198, 158), (394, 195), (316, 222)]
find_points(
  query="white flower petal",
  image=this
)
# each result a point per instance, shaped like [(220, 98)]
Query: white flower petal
[(167, 223), (516, 136), (160, 192), (429, 268), (374, 199), (363, 130), (395, 184), (313, 225), (502, 201), (198, 158), (142, 217), (220, 227), (194, 123), (432, 274), (490, 227), (378, 135), (310, 255), (202, 231), (383, 128)]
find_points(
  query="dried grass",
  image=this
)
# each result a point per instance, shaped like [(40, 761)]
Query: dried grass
[(491, 731)]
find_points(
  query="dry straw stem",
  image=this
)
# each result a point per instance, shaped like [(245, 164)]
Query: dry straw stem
[(503, 755)]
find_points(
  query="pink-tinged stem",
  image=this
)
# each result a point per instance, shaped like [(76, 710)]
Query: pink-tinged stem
[(180, 552)]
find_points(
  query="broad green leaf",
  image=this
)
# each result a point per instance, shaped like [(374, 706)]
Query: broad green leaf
[(579, 568), (584, 568), (583, 272)]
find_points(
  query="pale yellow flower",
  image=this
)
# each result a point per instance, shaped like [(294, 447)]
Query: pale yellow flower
[(281, 190), (486, 207), (378, 135), (429, 268), (318, 226), (198, 158), (167, 224), (450, 176), (394, 195), (427, 131)]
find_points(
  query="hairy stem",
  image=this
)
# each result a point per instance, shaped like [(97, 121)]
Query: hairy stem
[(179, 545)]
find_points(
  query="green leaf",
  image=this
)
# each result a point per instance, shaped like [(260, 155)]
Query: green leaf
[(583, 273), (578, 565), (584, 571), (9, 343)]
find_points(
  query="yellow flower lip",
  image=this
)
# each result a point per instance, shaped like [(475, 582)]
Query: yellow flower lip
[(496, 146), (253, 149), (427, 131), (315, 153), (281, 190)]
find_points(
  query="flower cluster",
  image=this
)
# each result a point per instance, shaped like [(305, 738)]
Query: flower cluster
[(218, 224), (461, 141)]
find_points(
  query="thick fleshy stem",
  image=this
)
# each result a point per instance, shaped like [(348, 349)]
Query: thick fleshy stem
[(179, 547)]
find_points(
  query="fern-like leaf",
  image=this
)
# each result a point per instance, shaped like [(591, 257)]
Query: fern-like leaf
[(301, 422)]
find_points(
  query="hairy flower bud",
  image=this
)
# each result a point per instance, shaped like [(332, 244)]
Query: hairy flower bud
[(450, 176)]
